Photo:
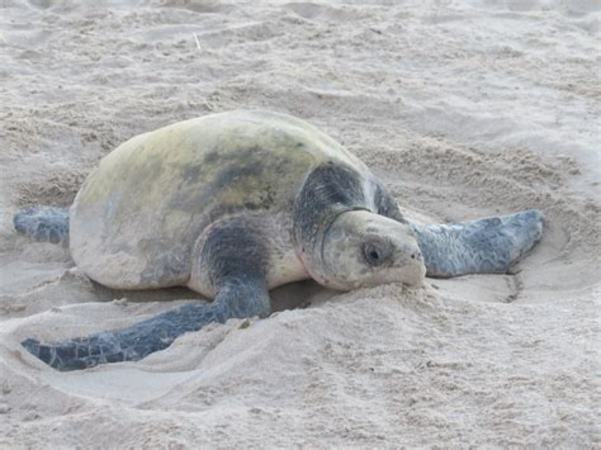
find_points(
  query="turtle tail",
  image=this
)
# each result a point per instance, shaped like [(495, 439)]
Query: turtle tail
[(43, 223)]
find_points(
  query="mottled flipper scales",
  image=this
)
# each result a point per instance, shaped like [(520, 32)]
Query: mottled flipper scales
[(239, 298), (43, 223), (488, 245), (129, 344)]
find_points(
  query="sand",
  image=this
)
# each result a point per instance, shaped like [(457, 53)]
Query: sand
[(464, 108)]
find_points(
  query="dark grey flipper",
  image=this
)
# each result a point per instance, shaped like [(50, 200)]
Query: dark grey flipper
[(238, 298), (235, 260), (488, 245), (43, 223)]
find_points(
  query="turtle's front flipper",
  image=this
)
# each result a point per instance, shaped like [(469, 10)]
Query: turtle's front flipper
[(488, 245), (238, 297), (234, 260)]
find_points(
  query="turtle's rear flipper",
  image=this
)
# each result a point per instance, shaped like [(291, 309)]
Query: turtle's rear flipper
[(490, 245), (43, 223)]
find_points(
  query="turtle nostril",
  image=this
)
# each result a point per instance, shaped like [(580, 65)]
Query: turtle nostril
[(416, 255)]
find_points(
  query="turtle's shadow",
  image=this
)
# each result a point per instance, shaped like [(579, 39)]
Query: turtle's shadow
[(301, 294)]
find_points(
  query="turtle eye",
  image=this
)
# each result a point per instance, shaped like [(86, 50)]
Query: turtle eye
[(375, 254)]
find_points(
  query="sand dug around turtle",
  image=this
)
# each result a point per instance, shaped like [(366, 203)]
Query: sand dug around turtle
[(464, 108)]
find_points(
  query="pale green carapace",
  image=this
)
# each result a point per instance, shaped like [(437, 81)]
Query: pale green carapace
[(145, 205)]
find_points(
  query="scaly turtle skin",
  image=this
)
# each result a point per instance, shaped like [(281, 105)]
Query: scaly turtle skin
[(232, 205)]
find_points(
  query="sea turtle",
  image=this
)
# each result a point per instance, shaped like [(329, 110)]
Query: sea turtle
[(234, 204)]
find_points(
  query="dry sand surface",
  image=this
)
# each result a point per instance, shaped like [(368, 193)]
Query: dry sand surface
[(464, 108)]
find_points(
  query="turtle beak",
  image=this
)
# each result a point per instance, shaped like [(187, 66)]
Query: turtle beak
[(410, 262)]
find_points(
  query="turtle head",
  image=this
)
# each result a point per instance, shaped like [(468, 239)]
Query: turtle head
[(361, 249)]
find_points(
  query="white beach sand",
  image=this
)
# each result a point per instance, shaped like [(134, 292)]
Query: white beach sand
[(464, 108)]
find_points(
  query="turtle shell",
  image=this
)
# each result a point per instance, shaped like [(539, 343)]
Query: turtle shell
[(135, 220)]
